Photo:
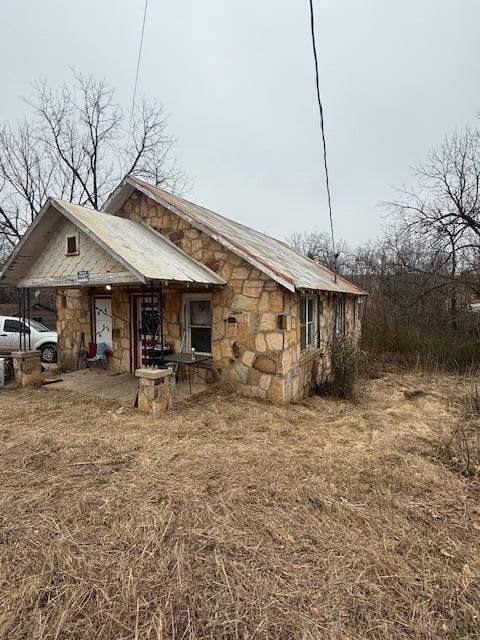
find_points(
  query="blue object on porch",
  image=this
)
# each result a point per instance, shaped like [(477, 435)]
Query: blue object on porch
[(100, 358)]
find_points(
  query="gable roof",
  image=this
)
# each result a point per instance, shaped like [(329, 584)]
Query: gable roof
[(144, 252), (273, 257)]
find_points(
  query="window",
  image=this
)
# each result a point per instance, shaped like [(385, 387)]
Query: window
[(198, 323), (72, 245), (340, 315), (38, 326), (13, 326), (360, 311), (308, 323)]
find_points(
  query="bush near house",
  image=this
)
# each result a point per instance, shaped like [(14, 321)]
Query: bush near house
[(343, 355)]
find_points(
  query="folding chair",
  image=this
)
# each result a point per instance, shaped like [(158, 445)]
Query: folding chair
[(100, 358)]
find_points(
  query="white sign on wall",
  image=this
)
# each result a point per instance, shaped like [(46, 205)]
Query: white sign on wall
[(83, 276)]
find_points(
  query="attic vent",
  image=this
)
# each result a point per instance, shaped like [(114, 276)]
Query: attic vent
[(72, 245)]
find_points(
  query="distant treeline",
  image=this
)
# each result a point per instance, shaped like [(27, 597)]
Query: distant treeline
[(423, 275)]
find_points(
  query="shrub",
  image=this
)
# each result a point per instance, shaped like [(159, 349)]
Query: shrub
[(343, 359), (464, 445), (422, 338)]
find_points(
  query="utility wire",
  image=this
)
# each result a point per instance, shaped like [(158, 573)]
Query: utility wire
[(322, 126), (138, 69)]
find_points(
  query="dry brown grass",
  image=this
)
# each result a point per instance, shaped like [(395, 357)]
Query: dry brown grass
[(234, 519)]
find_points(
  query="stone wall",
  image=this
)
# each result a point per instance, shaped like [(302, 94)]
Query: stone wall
[(27, 368), (255, 322), (313, 367), (121, 330), (73, 318), (247, 345)]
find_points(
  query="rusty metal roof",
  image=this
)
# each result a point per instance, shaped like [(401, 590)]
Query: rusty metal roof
[(278, 260), (144, 252)]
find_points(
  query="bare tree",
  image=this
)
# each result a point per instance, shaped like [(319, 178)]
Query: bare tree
[(318, 246), (424, 273), (78, 145), (444, 212), (420, 291), (445, 205)]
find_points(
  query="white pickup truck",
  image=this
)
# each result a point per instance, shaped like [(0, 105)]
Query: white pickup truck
[(41, 338)]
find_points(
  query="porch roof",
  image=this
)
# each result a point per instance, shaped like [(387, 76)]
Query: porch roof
[(144, 253)]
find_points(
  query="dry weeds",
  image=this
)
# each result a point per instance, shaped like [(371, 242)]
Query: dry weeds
[(234, 519)]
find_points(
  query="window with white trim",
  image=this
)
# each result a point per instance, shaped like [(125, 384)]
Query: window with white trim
[(198, 322), (340, 315), (308, 323)]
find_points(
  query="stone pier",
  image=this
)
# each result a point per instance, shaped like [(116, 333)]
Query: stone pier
[(27, 367), (154, 390)]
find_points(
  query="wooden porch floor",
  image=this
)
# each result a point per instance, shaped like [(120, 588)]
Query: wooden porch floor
[(121, 387)]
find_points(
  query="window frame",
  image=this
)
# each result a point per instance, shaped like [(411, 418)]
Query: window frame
[(340, 317), (25, 329), (186, 299), (67, 238), (310, 344)]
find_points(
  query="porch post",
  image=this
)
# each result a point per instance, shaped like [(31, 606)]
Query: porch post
[(26, 363), (28, 314), (143, 335), (152, 332), (162, 364), (24, 315), (20, 293)]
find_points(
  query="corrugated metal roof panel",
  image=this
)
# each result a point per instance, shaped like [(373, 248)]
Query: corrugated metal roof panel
[(289, 267), (147, 251)]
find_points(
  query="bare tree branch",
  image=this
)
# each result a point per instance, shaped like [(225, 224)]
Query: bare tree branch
[(76, 147)]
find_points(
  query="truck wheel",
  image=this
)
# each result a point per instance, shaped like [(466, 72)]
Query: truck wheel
[(49, 353)]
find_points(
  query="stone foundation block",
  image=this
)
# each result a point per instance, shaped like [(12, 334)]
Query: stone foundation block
[(27, 368), (154, 390)]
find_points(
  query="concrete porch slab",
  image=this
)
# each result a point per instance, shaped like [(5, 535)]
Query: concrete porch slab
[(121, 387)]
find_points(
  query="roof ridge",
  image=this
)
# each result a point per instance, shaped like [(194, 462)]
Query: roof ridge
[(215, 213), (200, 206), (306, 273)]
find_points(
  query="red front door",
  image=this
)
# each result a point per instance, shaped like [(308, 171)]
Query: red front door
[(145, 328)]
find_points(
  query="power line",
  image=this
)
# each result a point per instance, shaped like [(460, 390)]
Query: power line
[(322, 125), (138, 68)]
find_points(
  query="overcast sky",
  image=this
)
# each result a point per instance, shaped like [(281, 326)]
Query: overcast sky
[(237, 79)]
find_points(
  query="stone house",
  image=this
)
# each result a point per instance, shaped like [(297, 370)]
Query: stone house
[(264, 312)]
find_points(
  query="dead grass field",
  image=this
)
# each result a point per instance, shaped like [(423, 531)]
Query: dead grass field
[(234, 519)]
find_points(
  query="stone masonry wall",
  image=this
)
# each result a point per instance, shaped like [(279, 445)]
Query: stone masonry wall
[(73, 319), (74, 316), (247, 346), (121, 330), (313, 367)]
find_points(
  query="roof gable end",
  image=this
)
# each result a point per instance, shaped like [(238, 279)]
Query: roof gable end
[(141, 252)]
